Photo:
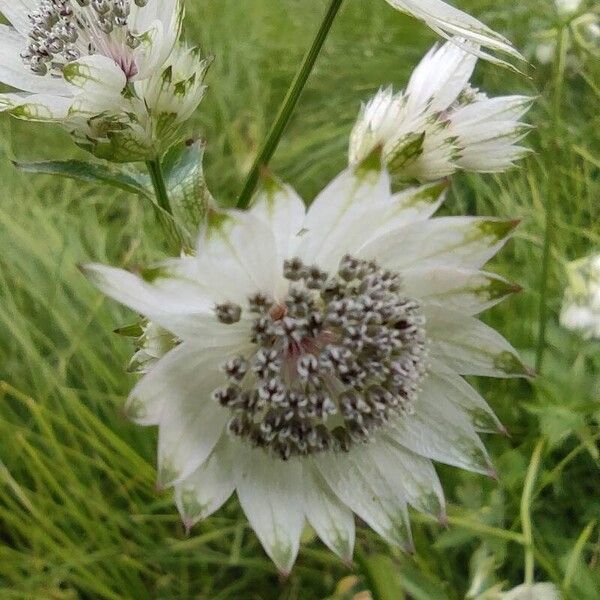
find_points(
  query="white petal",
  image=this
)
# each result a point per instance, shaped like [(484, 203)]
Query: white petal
[(466, 399), (166, 383), (15, 73), (467, 290), (470, 347), (280, 207), (342, 216), (502, 108), (36, 107), (533, 591), (180, 305), (208, 487), (101, 82), (409, 206), (332, 520), (191, 422), (440, 77), (361, 483), (463, 242), (438, 431), (413, 474), (237, 254), (270, 493), (17, 11), (448, 21)]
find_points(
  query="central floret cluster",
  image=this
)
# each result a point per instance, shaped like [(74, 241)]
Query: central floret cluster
[(63, 31), (334, 361)]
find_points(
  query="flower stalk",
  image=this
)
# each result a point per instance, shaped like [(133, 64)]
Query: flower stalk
[(159, 186), (163, 207), (288, 105), (559, 69)]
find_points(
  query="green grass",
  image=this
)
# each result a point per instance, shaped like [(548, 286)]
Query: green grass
[(79, 514)]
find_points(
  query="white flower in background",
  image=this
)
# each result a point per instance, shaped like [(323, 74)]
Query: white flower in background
[(582, 34), (448, 22), (320, 367), (581, 304), (535, 591), (440, 123), (567, 7), (110, 71)]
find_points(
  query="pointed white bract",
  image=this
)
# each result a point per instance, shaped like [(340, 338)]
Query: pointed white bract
[(110, 71), (449, 22), (319, 358), (439, 123), (581, 304)]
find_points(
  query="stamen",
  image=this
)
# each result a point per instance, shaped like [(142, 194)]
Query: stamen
[(228, 312), (64, 30), (333, 362)]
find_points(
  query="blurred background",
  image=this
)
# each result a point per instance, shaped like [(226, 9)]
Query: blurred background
[(79, 513)]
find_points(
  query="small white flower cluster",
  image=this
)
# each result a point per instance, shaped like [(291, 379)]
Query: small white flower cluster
[(581, 305)]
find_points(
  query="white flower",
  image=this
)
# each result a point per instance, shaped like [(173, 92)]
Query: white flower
[(536, 591), (439, 123), (581, 304), (582, 36), (448, 22), (567, 7), (101, 68), (320, 367)]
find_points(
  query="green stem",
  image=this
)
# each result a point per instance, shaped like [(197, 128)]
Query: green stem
[(158, 183), (163, 209), (288, 105), (553, 196), (526, 501)]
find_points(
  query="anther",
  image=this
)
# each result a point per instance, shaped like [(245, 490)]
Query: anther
[(293, 269), (228, 313)]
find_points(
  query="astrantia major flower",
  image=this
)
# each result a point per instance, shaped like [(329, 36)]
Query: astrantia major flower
[(581, 304), (110, 71), (440, 123), (448, 22), (319, 369)]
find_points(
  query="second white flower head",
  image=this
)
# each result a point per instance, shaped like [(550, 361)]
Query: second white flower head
[(440, 123)]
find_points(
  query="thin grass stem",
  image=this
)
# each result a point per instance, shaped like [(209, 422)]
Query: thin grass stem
[(526, 501)]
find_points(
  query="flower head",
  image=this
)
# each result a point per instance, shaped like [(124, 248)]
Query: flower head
[(319, 369), (449, 21), (110, 71), (440, 123), (581, 304)]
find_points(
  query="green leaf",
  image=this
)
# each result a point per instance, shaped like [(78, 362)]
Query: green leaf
[(188, 192), (90, 172)]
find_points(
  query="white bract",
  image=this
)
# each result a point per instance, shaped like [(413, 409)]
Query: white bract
[(449, 22), (153, 343), (439, 123), (110, 71), (321, 358), (581, 304)]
